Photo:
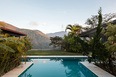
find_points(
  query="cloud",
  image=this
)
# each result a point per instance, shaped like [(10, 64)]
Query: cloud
[(33, 23), (44, 24)]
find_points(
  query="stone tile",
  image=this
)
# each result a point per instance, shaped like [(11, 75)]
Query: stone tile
[(56, 56), (95, 69), (18, 70)]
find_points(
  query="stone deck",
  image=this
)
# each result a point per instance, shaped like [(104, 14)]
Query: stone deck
[(18, 70), (96, 70)]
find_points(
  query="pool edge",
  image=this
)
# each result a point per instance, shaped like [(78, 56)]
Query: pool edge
[(56, 56), (18, 70), (96, 70)]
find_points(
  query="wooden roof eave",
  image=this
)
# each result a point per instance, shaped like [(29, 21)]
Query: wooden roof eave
[(12, 32)]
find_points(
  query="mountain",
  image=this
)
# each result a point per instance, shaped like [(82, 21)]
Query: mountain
[(41, 33), (39, 39), (60, 34)]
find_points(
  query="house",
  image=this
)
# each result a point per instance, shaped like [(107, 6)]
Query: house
[(11, 32), (90, 33)]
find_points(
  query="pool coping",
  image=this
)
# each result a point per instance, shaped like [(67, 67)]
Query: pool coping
[(56, 56), (18, 70), (97, 70)]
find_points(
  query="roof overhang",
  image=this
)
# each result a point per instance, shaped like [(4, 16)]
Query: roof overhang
[(12, 32)]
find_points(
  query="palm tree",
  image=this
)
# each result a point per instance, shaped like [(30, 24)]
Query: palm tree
[(74, 29)]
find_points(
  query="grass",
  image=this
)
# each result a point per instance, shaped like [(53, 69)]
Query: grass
[(42, 53)]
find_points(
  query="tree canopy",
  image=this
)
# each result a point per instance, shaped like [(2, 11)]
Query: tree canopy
[(93, 21), (74, 29), (56, 41)]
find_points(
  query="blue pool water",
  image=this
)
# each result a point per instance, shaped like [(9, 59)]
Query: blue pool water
[(57, 67)]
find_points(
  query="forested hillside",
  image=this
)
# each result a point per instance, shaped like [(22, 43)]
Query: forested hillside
[(39, 41)]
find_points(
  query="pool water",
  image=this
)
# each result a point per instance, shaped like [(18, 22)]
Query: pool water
[(67, 67)]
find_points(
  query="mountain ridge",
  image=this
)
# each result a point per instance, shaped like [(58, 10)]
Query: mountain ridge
[(60, 34), (41, 33)]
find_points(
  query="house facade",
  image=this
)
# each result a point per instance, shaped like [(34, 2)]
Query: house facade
[(90, 33)]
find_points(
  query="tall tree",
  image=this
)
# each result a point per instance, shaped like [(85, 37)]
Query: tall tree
[(98, 49)]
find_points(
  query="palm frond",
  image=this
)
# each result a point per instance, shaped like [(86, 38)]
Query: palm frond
[(7, 48), (14, 41), (69, 27)]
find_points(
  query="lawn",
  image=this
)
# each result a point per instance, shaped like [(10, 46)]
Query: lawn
[(45, 52)]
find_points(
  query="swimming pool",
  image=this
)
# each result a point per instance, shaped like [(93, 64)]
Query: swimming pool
[(57, 67)]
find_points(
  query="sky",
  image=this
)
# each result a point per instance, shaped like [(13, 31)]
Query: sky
[(51, 16)]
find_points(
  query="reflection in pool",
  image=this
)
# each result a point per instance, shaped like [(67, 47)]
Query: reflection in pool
[(58, 68)]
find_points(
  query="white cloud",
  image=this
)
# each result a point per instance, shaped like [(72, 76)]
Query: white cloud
[(44, 24), (33, 23)]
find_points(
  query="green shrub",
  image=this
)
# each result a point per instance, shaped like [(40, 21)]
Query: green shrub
[(11, 51)]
